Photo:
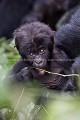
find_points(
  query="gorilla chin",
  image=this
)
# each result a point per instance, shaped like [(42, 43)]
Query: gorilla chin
[(40, 63), (40, 66)]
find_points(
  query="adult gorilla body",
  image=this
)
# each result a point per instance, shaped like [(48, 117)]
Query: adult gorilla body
[(67, 38)]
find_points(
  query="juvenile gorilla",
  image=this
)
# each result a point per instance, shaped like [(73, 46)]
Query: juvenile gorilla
[(35, 43)]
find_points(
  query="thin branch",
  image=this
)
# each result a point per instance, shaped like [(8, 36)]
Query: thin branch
[(69, 75), (50, 116)]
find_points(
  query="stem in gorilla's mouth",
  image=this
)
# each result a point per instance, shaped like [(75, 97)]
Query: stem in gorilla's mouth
[(69, 75)]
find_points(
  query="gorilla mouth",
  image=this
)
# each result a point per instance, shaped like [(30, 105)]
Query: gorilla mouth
[(40, 71)]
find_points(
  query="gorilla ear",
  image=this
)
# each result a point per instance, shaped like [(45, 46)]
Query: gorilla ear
[(16, 43), (16, 39)]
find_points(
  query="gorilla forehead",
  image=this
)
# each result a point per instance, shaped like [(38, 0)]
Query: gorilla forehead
[(37, 43)]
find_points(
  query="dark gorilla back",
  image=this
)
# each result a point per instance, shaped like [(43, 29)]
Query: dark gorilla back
[(68, 36), (68, 39)]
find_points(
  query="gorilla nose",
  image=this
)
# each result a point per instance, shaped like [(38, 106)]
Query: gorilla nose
[(39, 61)]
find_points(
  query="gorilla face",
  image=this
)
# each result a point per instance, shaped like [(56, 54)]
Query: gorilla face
[(37, 55)]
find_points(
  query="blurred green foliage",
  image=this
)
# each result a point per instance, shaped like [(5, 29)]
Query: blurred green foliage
[(20, 102)]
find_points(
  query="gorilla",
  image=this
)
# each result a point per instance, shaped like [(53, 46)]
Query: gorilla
[(67, 38), (40, 59)]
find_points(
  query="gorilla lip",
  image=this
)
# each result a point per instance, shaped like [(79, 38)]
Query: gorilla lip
[(41, 71)]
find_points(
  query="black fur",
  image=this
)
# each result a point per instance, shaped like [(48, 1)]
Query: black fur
[(67, 38), (31, 39), (67, 16)]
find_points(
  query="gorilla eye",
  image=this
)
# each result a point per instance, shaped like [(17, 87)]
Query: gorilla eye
[(31, 54), (42, 51)]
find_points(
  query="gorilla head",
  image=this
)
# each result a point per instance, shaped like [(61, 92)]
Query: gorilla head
[(34, 42)]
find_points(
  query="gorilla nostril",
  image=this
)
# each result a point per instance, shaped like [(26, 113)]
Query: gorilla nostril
[(38, 62)]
